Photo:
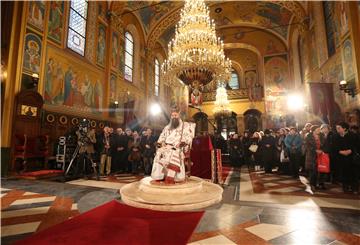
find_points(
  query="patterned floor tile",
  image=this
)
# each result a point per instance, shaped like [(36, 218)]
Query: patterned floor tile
[(269, 231), (216, 240), (99, 184), (10, 230), (33, 200), (24, 212)]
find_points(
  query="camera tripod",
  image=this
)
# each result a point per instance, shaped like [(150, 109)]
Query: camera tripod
[(85, 159)]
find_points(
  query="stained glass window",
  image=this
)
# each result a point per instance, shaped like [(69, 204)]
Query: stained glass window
[(157, 77), (77, 26), (234, 81), (129, 56)]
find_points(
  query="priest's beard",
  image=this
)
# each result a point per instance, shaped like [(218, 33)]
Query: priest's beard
[(174, 123)]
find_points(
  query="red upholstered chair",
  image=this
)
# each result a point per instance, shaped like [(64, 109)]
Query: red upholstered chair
[(30, 147)]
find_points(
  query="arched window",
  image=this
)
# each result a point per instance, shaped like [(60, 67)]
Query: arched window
[(234, 81), (77, 26), (129, 56), (157, 78)]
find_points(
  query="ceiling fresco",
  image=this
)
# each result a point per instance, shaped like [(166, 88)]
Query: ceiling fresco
[(159, 17), (263, 14), (150, 12)]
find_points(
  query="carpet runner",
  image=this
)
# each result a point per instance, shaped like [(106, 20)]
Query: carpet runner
[(116, 223), (40, 174)]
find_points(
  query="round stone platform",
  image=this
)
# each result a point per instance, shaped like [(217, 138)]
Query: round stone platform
[(194, 193)]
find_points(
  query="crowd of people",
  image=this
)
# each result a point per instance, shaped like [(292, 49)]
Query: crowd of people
[(293, 153), (125, 151), (318, 152)]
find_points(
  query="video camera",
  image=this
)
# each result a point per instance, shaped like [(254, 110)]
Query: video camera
[(83, 131)]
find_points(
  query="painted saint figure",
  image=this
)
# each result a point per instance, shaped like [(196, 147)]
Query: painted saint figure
[(101, 46), (174, 141)]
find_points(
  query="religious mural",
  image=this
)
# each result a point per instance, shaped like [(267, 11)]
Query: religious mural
[(167, 35), (142, 73), (271, 48), (255, 90), (32, 53), (332, 25), (101, 45), (276, 83), (265, 14), (113, 88), (55, 24), (121, 57), (72, 84), (91, 31), (36, 14), (303, 54), (115, 51), (102, 9), (180, 98), (347, 59), (323, 103), (343, 18), (150, 13), (314, 54)]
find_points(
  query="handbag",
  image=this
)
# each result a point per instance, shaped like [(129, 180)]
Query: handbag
[(253, 148), (323, 163), (284, 156)]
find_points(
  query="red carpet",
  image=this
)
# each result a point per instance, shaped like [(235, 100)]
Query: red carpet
[(41, 174), (116, 223)]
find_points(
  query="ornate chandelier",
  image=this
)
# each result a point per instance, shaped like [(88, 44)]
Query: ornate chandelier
[(196, 55), (221, 104)]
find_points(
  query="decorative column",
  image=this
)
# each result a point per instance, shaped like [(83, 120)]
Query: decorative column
[(13, 76)]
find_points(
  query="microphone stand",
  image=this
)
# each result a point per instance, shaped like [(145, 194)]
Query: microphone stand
[(197, 108)]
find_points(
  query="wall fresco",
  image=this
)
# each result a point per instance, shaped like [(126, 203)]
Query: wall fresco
[(101, 45), (314, 54), (72, 84), (102, 9), (91, 32), (32, 53), (347, 59), (142, 73), (55, 24), (121, 57), (113, 88), (276, 83), (115, 50), (36, 14)]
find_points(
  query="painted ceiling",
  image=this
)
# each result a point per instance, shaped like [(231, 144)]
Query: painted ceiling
[(150, 12), (269, 15)]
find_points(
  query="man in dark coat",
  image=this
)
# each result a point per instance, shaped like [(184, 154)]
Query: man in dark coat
[(120, 150), (147, 146), (267, 146)]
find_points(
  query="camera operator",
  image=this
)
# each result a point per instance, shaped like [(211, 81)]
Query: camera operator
[(86, 141)]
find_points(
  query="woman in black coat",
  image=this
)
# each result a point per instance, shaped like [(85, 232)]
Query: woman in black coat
[(344, 147), (236, 151)]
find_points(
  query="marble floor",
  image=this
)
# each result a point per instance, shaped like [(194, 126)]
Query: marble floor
[(256, 209)]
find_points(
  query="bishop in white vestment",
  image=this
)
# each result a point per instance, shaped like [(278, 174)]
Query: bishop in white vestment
[(174, 141)]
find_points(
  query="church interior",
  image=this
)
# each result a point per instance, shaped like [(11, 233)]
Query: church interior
[(91, 91)]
